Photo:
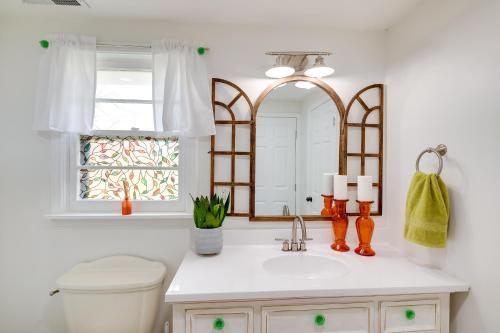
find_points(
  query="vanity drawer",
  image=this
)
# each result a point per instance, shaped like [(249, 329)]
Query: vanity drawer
[(331, 318), (411, 316), (219, 320)]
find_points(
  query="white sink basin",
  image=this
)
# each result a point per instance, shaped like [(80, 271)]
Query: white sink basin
[(305, 266)]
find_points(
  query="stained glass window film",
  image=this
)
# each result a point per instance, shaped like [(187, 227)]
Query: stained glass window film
[(149, 164)]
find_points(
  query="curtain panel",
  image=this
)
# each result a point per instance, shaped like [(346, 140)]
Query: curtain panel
[(181, 91), (66, 85)]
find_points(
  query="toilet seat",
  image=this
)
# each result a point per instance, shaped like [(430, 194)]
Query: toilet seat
[(115, 274)]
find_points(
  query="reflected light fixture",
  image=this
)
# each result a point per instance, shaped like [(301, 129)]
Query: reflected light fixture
[(291, 62), (304, 85), (319, 69), (279, 69)]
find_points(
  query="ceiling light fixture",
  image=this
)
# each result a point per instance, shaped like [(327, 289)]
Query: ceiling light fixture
[(279, 69), (290, 62), (319, 69)]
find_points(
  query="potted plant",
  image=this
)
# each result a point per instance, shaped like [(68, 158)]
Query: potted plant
[(208, 217)]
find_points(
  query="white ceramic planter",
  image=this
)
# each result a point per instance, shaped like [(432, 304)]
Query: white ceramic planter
[(208, 241)]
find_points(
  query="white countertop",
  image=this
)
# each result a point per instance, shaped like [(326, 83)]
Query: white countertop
[(237, 273)]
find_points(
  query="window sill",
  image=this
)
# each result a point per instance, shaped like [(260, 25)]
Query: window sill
[(109, 216)]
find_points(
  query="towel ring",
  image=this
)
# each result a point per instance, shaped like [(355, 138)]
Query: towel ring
[(440, 151)]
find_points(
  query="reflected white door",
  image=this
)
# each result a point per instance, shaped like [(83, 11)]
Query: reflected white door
[(275, 165), (323, 151)]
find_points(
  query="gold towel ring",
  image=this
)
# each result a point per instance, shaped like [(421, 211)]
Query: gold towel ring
[(440, 151)]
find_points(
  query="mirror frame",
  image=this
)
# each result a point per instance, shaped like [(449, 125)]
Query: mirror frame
[(342, 137)]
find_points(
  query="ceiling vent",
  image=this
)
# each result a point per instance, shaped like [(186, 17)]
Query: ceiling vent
[(76, 3)]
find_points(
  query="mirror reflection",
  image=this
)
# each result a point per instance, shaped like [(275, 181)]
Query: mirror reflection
[(297, 141)]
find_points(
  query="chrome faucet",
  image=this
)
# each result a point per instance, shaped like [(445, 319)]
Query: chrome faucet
[(296, 245)]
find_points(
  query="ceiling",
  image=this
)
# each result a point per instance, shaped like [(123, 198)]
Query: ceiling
[(342, 14)]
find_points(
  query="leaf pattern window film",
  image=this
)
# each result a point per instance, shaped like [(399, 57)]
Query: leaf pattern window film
[(149, 164)]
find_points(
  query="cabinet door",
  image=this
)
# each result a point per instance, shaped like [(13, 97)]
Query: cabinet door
[(410, 316), (331, 318), (219, 321)]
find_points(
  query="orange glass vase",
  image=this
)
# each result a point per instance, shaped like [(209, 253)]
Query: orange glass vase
[(126, 207), (126, 203), (340, 223), (327, 202), (364, 228)]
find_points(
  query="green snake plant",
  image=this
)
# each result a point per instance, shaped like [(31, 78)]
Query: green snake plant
[(209, 213)]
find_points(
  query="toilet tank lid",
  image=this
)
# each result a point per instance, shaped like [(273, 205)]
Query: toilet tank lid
[(113, 273)]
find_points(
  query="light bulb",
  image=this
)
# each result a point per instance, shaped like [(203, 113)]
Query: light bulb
[(278, 72), (319, 69), (280, 68), (304, 85)]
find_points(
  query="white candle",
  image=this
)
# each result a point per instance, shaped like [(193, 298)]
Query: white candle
[(340, 187), (364, 188), (327, 184)]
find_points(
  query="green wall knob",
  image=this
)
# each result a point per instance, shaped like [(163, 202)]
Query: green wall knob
[(218, 324), (319, 320), (410, 314)]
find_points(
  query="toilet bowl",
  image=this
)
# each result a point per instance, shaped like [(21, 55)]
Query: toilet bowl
[(118, 294)]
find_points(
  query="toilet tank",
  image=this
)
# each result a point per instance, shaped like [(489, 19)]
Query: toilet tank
[(118, 294)]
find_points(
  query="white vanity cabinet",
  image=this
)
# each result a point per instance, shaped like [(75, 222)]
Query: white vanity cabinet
[(260, 289), (427, 313)]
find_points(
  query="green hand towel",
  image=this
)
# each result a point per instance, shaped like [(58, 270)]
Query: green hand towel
[(427, 211)]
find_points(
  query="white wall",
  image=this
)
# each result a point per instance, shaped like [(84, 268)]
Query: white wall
[(443, 79), (35, 251)]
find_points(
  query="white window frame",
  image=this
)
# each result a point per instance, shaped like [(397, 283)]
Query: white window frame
[(65, 179), (65, 154)]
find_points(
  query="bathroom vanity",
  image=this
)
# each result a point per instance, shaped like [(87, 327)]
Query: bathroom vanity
[(260, 289)]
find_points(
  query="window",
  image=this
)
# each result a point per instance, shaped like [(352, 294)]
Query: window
[(124, 100), (150, 166), (124, 146)]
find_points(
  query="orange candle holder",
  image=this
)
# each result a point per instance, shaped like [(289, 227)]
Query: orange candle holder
[(364, 228), (327, 202), (340, 222)]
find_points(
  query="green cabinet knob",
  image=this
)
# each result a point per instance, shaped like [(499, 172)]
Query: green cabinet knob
[(218, 324), (319, 320), (410, 314)]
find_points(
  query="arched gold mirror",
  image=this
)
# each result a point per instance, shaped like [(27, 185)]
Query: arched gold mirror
[(298, 136)]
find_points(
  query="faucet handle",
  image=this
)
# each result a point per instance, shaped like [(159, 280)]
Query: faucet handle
[(286, 244), (302, 244)]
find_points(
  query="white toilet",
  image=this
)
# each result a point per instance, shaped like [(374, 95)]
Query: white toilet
[(118, 294)]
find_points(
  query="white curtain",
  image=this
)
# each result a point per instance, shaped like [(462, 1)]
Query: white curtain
[(66, 85), (181, 92)]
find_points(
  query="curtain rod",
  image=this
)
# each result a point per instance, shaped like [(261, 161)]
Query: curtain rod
[(299, 53), (146, 46), (200, 50)]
